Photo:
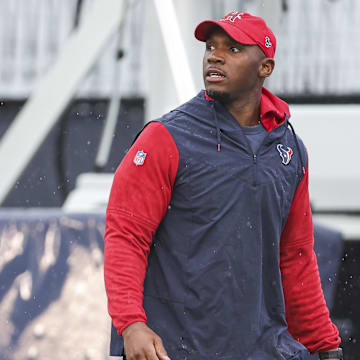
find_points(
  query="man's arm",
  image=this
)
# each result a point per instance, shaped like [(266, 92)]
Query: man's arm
[(139, 199), (306, 312)]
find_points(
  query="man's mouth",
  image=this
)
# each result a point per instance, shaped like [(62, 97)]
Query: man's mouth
[(214, 75)]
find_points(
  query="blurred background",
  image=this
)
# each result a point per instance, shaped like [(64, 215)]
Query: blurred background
[(80, 78)]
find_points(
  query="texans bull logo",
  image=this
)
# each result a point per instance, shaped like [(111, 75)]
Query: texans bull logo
[(285, 154)]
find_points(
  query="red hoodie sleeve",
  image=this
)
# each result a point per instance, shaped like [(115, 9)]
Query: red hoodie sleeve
[(138, 201), (306, 311)]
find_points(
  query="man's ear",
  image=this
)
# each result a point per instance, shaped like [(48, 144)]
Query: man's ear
[(266, 67)]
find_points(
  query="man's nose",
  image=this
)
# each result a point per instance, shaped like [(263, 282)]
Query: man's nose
[(216, 56)]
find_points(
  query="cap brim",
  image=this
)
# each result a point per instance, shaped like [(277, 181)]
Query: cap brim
[(204, 29)]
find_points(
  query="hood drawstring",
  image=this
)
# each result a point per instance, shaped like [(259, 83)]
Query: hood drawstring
[(297, 144), (218, 133)]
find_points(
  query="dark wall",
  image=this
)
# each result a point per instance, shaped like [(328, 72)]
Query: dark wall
[(346, 311), (70, 149)]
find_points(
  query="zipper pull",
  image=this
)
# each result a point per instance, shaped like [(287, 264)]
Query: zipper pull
[(254, 158)]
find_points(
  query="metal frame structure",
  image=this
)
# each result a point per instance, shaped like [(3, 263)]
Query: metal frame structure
[(58, 86)]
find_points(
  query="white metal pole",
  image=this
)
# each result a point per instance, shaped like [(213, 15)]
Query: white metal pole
[(180, 69), (114, 106)]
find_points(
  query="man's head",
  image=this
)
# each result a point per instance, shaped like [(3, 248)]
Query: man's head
[(239, 54)]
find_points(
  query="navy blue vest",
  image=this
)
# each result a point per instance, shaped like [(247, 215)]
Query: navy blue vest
[(213, 285)]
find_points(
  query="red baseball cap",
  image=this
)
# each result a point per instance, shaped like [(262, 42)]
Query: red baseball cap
[(243, 28)]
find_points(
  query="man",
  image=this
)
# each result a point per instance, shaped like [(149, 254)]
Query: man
[(209, 237)]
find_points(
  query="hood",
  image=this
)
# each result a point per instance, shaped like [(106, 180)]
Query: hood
[(274, 112)]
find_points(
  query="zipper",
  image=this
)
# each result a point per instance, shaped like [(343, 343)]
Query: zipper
[(255, 168), (255, 157)]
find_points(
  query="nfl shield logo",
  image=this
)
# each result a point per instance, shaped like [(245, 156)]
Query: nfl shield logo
[(139, 158)]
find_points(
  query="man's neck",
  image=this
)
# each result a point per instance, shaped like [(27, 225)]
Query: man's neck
[(246, 110)]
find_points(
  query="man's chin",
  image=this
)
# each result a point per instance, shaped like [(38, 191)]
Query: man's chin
[(221, 96)]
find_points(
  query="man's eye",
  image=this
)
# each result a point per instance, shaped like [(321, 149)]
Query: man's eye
[(235, 49), (210, 47)]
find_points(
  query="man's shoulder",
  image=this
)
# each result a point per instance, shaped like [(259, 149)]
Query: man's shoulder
[(185, 110), (295, 138), (171, 117)]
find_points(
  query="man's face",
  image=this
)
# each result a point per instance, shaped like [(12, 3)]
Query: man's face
[(230, 69)]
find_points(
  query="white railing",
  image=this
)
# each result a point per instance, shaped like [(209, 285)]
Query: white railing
[(318, 44), (318, 47), (31, 33)]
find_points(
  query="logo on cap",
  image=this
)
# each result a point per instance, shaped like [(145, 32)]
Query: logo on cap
[(268, 43), (234, 15)]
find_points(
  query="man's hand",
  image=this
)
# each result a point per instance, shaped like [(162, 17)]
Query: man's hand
[(141, 343)]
